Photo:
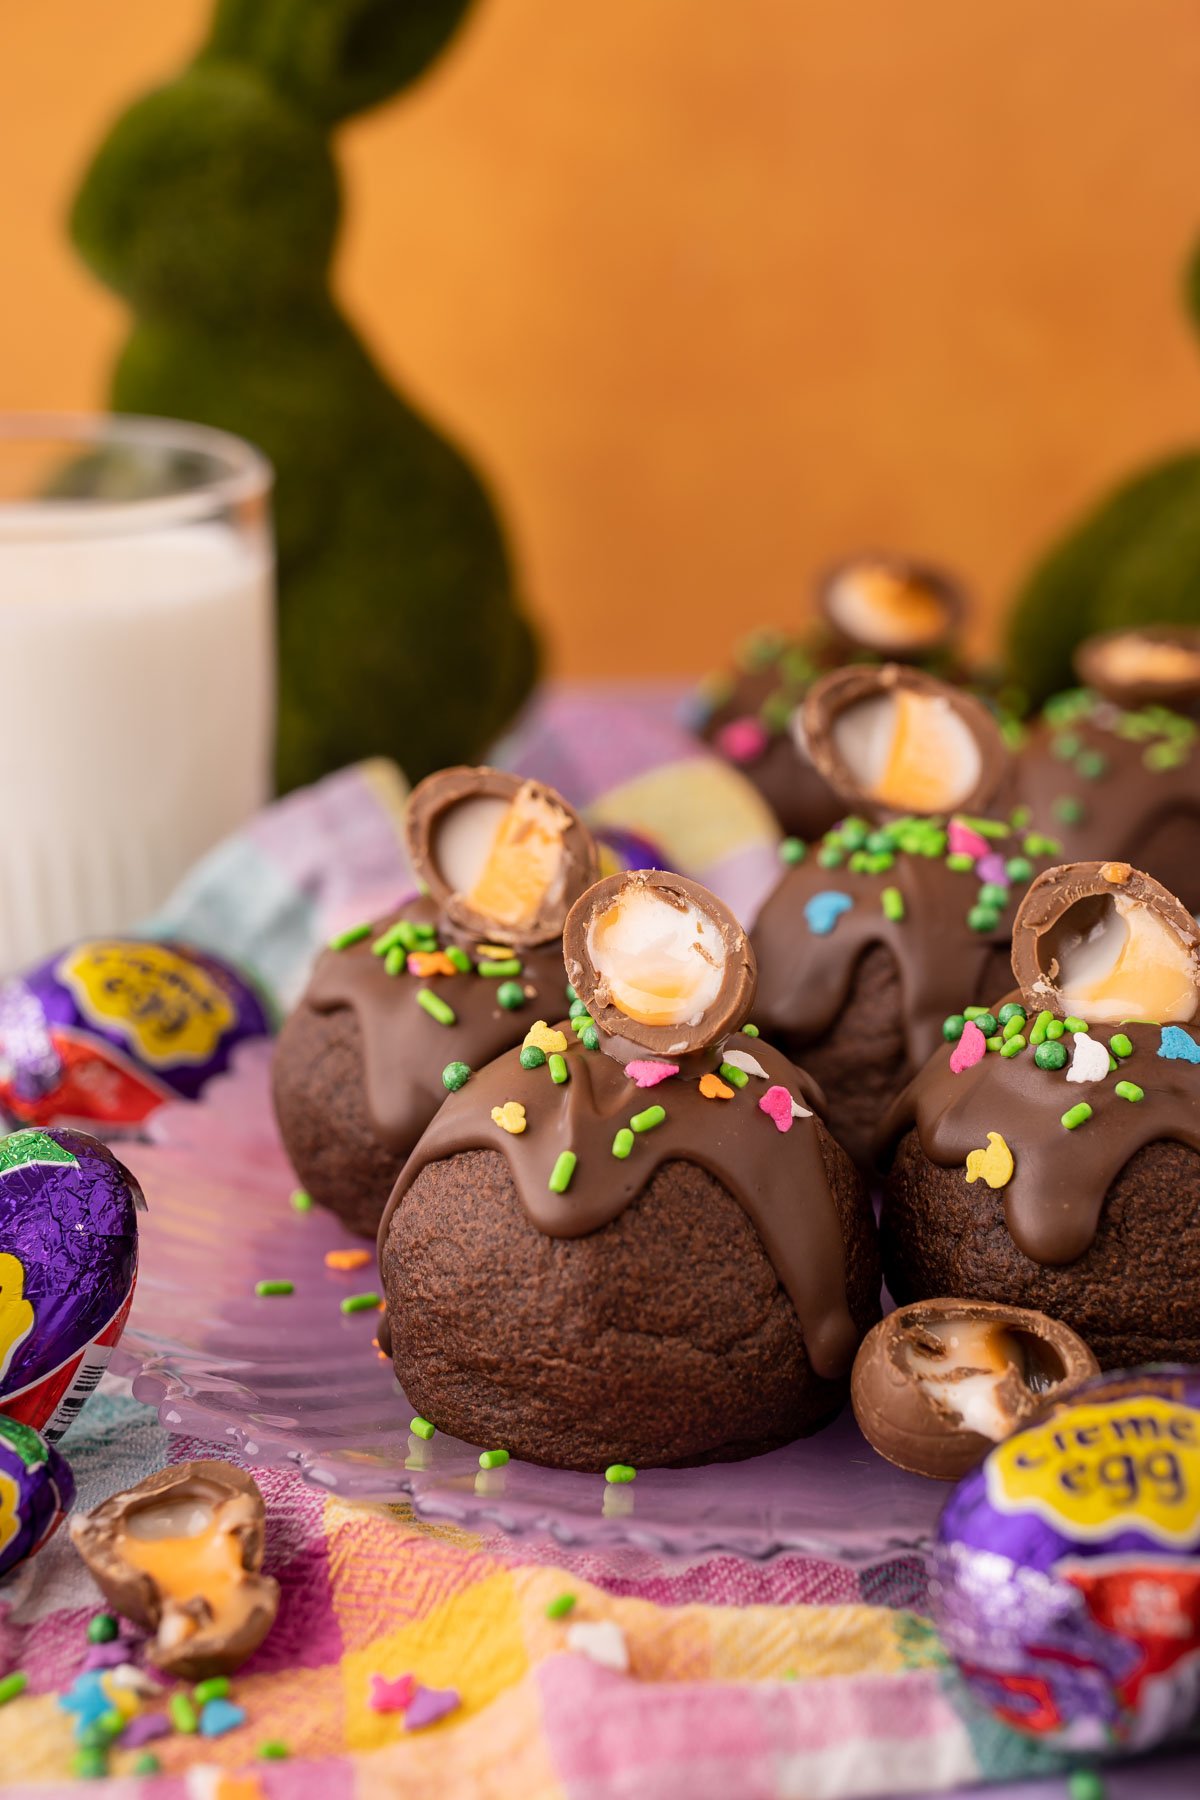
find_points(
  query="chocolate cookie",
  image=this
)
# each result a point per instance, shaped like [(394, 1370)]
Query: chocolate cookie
[(1062, 1170), (397, 1012), (688, 1258)]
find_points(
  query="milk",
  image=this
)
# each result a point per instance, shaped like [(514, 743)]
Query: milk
[(136, 718)]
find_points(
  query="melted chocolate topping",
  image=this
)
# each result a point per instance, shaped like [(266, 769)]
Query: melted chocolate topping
[(805, 977), (1053, 1201), (404, 1049), (778, 1177)]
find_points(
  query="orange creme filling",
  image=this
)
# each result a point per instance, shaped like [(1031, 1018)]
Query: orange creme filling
[(903, 607), (522, 864), (652, 988), (926, 745), (204, 1565)]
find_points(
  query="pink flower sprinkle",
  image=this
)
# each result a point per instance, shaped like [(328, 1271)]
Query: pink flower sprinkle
[(991, 868), (742, 740), (970, 1048), (965, 842), (649, 1074), (777, 1104), (391, 1696)]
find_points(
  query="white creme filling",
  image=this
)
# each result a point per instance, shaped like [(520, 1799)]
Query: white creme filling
[(911, 751), (970, 1345), (169, 1519), (463, 840), (662, 964), (873, 606), (1129, 966), (1135, 658)]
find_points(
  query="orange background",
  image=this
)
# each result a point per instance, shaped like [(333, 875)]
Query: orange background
[(715, 292)]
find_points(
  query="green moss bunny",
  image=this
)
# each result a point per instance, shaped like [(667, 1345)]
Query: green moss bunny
[(212, 207), (1134, 559)]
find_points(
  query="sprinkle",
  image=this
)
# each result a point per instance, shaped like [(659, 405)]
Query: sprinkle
[(1073, 1024), (970, 1049), (1038, 844), (1077, 1115), (647, 1074), (1120, 1045), (1018, 868), (400, 935), (576, 1008), (1055, 1028), (510, 1117), (384, 1696), (428, 1705), (510, 995), (1178, 1046), (356, 1303), (618, 1473), (493, 1459), (892, 902), (647, 1120), (993, 895), (959, 863), (1068, 810), (713, 1088), (102, 1629), (456, 1075), (1129, 1090), (540, 1037), (830, 857), (622, 1144), (273, 1750), (749, 1065), (559, 1071), (995, 1042), (749, 1030), (216, 1687), (560, 1606), (421, 1427), (983, 918), (590, 1039), (781, 1109), (1085, 1784), (1012, 1046), (823, 911), (90, 1764), (347, 1259), (561, 1173), (532, 1057), (148, 1764), (993, 871), (395, 962), (436, 1007), (791, 851), (424, 963), (1010, 1011), (353, 935), (266, 1289), (301, 1201), (731, 1072), (952, 1028), (601, 1641), (570, 993), (1050, 1055), (985, 1021), (457, 957), (1092, 764), (511, 965), (965, 842), (1090, 1061), (993, 1165), (183, 1713), (11, 1686), (1040, 1028)]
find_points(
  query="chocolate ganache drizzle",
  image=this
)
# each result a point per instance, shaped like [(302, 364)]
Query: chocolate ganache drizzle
[(738, 1109)]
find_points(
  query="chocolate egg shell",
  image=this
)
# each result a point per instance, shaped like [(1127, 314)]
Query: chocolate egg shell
[(1154, 665), (903, 1384), (1070, 906), (449, 866), (139, 1547), (68, 1262), (723, 959), (968, 727), (37, 1490), (874, 620), (110, 1028)]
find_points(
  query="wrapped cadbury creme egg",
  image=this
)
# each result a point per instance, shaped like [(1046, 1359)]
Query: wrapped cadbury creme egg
[(108, 1029), (68, 1262), (37, 1489), (1067, 1566)]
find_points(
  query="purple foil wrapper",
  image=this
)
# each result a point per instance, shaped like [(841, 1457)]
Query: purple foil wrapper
[(68, 1262), (109, 1028), (37, 1490), (1067, 1567)]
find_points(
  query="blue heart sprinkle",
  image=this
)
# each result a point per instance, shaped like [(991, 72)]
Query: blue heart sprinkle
[(823, 911), (1178, 1045), (220, 1716)]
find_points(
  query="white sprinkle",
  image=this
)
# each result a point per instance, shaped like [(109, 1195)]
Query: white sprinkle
[(603, 1641), (742, 1059), (1090, 1060)]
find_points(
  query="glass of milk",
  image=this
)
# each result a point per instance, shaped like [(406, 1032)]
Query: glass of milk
[(137, 652)]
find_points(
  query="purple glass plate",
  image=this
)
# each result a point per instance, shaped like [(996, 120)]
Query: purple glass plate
[(293, 1380)]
